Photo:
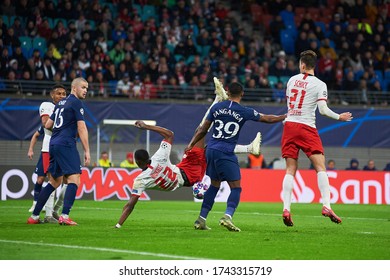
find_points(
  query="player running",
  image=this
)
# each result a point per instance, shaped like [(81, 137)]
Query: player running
[(305, 93)]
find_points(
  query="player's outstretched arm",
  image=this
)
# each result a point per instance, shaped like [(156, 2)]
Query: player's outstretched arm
[(166, 133), (200, 133), (272, 118), (325, 111), (127, 209)]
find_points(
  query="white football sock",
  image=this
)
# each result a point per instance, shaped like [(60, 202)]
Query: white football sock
[(49, 205), (241, 149), (288, 186), (60, 199), (323, 185)]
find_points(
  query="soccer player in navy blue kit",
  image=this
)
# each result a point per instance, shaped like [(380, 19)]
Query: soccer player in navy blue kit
[(228, 118), (67, 121)]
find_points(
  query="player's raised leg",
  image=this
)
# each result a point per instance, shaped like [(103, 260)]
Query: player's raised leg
[(253, 148)]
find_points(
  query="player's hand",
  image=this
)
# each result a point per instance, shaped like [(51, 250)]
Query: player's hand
[(87, 159), (345, 117), (30, 154), (140, 124)]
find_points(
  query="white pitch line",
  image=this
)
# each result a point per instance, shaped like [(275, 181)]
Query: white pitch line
[(218, 212), (102, 249)]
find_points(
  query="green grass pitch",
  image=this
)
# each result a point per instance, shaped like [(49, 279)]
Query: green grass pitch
[(163, 230)]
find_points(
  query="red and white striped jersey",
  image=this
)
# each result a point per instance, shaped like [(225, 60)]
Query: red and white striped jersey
[(302, 93)]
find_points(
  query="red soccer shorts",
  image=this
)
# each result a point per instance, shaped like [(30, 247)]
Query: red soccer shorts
[(194, 164), (298, 136), (45, 161)]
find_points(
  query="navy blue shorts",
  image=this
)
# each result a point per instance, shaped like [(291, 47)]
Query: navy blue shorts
[(222, 166), (39, 167), (64, 161)]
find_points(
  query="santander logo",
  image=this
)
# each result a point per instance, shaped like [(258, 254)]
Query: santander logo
[(301, 192), (356, 187)]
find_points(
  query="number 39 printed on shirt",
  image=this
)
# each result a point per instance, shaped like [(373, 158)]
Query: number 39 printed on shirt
[(292, 98), (230, 129)]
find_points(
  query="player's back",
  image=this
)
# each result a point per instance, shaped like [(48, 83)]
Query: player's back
[(161, 173), (66, 115), (302, 92), (228, 117)]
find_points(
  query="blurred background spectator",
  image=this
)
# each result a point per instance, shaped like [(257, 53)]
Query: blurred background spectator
[(254, 42)]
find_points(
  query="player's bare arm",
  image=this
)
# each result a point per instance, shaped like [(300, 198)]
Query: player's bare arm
[(33, 141), (127, 209), (44, 119), (83, 133), (165, 133), (272, 118), (49, 124), (200, 133)]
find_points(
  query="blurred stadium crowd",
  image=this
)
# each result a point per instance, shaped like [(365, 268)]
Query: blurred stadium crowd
[(135, 48)]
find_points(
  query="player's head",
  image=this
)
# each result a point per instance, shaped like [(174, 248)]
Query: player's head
[(236, 90), (57, 93), (141, 157), (307, 61), (80, 87)]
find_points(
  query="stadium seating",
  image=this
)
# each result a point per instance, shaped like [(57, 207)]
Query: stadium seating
[(273, 80), (5, 19), (111, 89), (284, 79), (287, 41), (40, 44), (26, 44), (148, 11)]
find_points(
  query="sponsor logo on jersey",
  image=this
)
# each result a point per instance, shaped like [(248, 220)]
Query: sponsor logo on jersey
[(82, 111)]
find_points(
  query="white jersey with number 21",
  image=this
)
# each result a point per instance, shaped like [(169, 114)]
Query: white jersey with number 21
[(302, 92)]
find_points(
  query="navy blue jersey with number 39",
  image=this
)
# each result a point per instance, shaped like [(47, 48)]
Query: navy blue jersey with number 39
[(228, 117), (65, 116)]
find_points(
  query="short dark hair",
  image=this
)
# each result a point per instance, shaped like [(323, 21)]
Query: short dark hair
[(309, 57), (141, 155), (235, 89), (58, 86)]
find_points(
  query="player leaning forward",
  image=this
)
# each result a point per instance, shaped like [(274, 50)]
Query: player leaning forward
[(67, 121), (159, 173), (304, 93)]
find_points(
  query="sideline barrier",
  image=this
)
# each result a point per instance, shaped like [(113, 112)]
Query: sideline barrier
[(348, 187)]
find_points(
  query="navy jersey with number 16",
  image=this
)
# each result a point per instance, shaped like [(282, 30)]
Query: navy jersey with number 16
[(65, 116), (228, 117)]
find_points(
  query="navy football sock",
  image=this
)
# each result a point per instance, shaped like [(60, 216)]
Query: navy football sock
[(233, 200), (42, 198), (70, 196), (37, 190), (208, 201)]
